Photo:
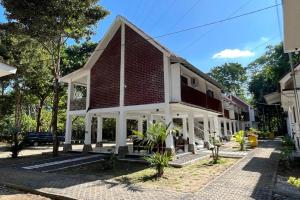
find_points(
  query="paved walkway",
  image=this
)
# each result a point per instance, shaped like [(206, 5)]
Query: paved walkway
[(251, 178), (11, 194)]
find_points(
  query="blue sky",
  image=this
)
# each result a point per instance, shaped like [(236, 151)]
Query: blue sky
[(239, 40)]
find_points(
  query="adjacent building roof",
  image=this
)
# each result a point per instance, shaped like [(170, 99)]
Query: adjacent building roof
[(6, 69)]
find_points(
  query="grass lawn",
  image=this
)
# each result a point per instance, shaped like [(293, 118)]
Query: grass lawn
[(187, 179)]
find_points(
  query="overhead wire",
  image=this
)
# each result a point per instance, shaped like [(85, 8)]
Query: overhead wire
[(197, 27), (168, 9), (185, 14), (213, 28)]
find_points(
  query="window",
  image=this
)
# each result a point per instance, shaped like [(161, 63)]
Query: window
[(210, 93), (184, 80), (194, 82)]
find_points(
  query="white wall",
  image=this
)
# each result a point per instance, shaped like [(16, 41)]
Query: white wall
[(175, 83)]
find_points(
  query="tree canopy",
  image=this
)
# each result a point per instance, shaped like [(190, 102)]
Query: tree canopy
[(52, 23), (232, 76)]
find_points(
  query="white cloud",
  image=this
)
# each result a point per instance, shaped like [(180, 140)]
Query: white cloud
[(233, 53)]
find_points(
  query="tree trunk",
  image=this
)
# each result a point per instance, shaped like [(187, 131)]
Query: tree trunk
[(38, 116), (18, 107), (54, 116), (18, 112), (56, 74)]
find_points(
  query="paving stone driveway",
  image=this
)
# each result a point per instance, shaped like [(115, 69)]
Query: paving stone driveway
[(251, 178)]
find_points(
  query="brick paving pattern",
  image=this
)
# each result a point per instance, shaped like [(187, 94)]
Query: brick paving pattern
[(251, 178), (11, 194)]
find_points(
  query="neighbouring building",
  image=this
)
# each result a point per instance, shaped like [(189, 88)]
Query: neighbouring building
[(237, 115), (286, 96), (130, 76), (6, 70)]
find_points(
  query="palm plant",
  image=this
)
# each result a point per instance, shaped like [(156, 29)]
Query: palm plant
[(155, 137), (240, 138), (159, 161)]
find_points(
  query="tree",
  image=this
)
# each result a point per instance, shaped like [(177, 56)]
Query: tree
[(266, 71), (52, 23), (37, 78), (75, 56), (232, 76)]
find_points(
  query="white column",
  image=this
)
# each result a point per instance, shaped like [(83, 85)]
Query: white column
[(169, 120), (88, 129), (69, 117), (206, 129), (191, 128), (220, 125), (140, 125), (99, 129), (184, 128), (88, 91), (234, 127), (70, 95), (68, 129), (216, 124), (211, 125), (121, 130), (230, 127)]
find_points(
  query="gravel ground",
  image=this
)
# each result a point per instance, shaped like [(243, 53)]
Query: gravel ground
[(11, 194)]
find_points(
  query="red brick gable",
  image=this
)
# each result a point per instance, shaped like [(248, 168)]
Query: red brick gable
[(105, 76), (144, 70)]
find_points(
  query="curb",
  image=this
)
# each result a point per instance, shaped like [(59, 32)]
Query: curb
[(37, 192), (189, 162), (274, 180)]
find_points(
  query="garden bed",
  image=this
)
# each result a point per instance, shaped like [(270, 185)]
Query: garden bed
[(187, 179)]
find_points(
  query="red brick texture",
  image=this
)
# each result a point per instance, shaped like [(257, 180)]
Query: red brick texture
[(144, 71), (105, 76)]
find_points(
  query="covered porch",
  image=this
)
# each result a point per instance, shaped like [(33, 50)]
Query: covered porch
[(196, 126)]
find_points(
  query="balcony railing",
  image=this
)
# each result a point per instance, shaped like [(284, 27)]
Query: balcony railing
[(193, 96), (78, 104)]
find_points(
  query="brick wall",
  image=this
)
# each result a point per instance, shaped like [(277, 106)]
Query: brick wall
[(144, 74), (105, 76)]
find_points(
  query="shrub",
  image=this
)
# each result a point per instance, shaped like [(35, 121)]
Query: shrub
[(110, 163), (286, 151), (295, 182), (159, 162), (287, 141), (240, 138)]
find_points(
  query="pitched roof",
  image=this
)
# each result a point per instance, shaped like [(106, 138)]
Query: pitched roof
[(6, 69), (173, 57)]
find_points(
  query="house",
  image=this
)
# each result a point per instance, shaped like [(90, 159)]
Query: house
[(237, 115), (130, 76), (6, 70), (286, 96)]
